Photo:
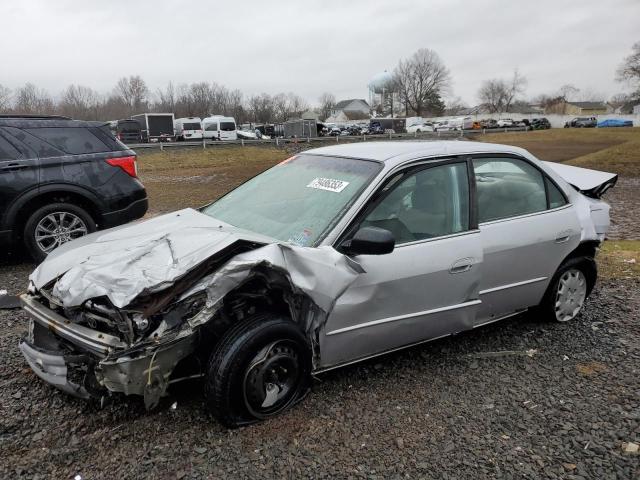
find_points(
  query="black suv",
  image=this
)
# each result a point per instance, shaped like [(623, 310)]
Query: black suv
[(541, 123), (61, 179)]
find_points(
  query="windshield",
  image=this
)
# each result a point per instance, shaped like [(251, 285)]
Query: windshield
[(298, 200), (227, 126), (191, 126)]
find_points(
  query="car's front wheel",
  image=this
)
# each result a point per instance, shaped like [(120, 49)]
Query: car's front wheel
[(259, 368), (568, 290), (52, 225)]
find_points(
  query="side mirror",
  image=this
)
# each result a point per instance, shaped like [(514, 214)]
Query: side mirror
[(370, 241)]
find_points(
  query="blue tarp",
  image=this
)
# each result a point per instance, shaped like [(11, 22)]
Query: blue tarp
[(614, 122)]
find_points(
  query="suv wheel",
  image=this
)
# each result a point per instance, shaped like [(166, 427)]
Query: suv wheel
[(52, 225), (259, 368), (568, 290)]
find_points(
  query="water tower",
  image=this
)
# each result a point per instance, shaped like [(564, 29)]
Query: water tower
[(382, 89)]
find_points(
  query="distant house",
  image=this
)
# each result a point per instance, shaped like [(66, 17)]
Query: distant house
[(577, 108), (352, 109), (626, 108)]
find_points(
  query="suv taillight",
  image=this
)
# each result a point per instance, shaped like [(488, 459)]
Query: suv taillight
[(128, 164)]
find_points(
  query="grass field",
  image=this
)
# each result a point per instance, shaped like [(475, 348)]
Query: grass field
[(611, 149)]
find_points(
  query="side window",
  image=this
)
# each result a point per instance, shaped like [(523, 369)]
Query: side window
[(508, 187), (8, 151), (71, 140), (428, 203), (556, 198)]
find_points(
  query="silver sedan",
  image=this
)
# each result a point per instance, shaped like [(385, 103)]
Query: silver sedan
[(335, 255)]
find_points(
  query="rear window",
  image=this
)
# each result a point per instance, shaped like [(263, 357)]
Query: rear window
[(227, 126), (41, 148), (191, 126), (71, 140), (129, 127)]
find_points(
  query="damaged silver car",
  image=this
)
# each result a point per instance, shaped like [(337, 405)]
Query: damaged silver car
[(333, 256)]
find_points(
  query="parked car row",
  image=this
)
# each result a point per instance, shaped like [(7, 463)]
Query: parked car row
[(163, 127)]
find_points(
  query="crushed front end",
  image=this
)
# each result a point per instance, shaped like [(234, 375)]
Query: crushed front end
[(95, 350)]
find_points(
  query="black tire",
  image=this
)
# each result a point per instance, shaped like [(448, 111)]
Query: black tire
[(232, 385), (29, 233), (586, 265)]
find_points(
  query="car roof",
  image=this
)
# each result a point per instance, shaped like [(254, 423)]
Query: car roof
[(46, 122), (385, 151)]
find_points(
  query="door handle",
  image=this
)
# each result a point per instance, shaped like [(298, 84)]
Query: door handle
[(14, 166), (563, 236), (462, 265)]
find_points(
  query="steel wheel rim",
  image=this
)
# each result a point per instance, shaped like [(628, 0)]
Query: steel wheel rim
[(570, 295), (272, 379), (57, 228)]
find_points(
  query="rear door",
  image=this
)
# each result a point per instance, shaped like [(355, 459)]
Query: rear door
[(527, 228), (19, 172), (428, 286)]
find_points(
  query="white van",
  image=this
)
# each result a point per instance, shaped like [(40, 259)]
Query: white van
[(189, 128), (217, 127)]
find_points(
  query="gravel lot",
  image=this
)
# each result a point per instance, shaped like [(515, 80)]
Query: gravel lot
[(556, 401)]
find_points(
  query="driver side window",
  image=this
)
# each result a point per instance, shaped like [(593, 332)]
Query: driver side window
[(428, 203)]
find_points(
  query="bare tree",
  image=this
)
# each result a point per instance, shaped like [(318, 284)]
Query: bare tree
[(5, 98), (261, 108), (498, 95), (166, 99), (629, 70), (454, 106), (80, 102), (590, 95), (32, 100), (568, 91), (327, 104), (133, 91), (419, 77)]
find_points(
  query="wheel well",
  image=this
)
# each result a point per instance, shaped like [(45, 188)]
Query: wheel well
[(25, 211), (585, 249)]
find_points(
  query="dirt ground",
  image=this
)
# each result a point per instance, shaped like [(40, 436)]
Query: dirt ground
[(517, 399)]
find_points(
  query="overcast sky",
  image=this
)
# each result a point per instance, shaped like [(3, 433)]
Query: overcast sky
[(309, 47)]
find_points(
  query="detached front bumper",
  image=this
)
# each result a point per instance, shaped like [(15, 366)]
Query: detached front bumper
[(52, 368)]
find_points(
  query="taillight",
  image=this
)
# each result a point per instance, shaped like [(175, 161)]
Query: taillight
[(128, 164)]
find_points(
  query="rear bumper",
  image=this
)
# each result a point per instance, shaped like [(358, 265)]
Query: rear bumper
[(132, 212)]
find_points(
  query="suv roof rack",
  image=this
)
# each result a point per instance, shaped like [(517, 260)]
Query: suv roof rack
[(36, 117)]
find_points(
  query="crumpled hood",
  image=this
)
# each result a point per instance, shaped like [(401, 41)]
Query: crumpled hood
[(147, 256)]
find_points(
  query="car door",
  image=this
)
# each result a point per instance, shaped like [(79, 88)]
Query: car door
[(19, 172), (428, 286), (527, 228)]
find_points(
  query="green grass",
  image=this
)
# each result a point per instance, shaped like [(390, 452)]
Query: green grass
[(180, 159), (619, 259), (611, 149)]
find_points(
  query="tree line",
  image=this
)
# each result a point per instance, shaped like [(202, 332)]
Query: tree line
[(131, 95), (419, 83)]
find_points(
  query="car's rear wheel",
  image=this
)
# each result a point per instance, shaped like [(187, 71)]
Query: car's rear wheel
[(259, 368), (568, 290), (52, 225)]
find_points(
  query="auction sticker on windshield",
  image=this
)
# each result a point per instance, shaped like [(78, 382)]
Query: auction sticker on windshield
[(329, 184)]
